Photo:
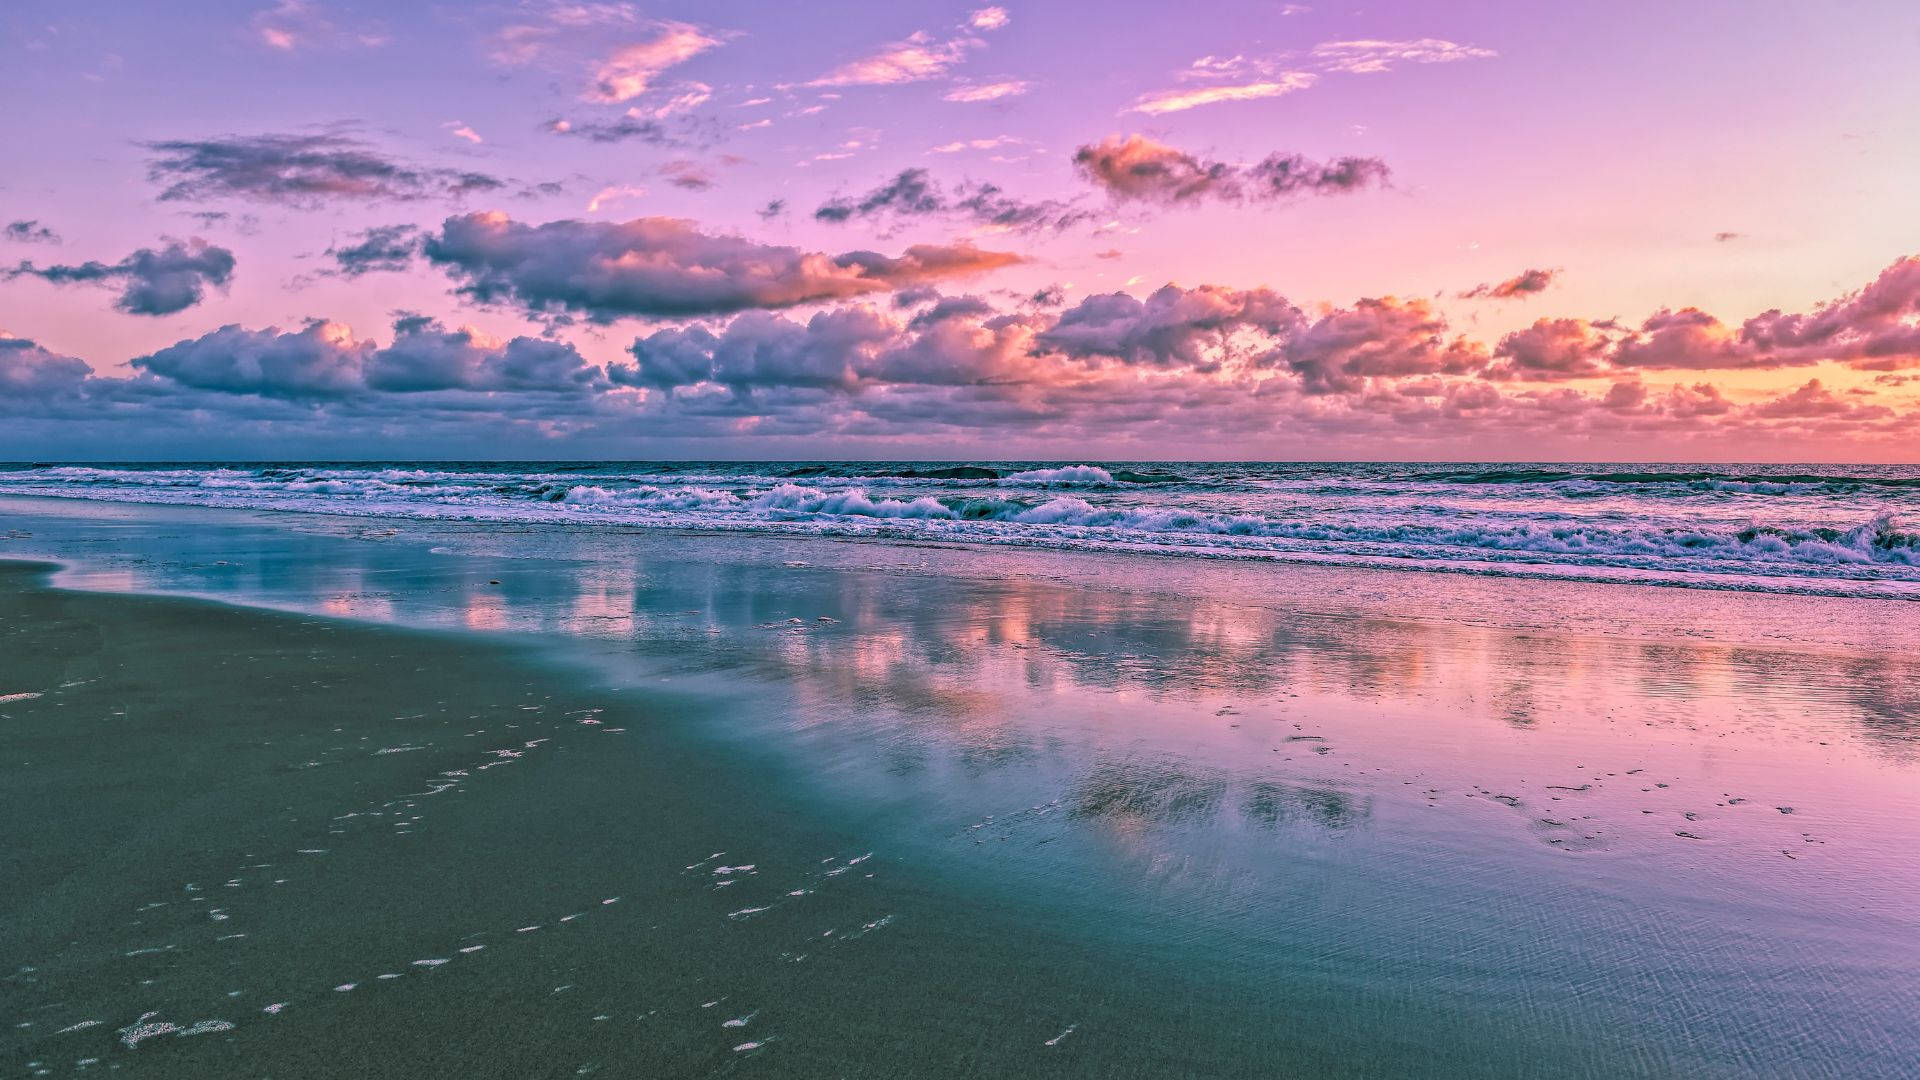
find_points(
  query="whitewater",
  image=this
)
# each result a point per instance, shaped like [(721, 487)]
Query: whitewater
[(1838, 530)]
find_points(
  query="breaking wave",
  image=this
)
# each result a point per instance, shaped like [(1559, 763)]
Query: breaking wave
[(1761, 527)]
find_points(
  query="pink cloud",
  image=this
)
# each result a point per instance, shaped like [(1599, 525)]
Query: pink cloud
[(629, 71), (1170, 101)]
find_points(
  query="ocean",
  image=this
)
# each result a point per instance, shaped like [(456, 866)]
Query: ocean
[(1815, 529)]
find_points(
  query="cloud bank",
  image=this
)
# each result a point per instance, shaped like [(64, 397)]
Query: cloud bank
[(1218, 368)]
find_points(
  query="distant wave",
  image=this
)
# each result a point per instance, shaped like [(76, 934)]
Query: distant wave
[(1071, 474), (1772, 528), (1762, 484)]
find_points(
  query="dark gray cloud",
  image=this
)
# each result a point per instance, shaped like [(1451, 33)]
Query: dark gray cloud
[(152, 281), (619, 129), (951, 307), (911, 193), (773, 209), (914, 193), (667, 267), (1139, 169), (29, 232), (1278, 176), (986, 204), (382, 247), (299, 170), (687, 175)]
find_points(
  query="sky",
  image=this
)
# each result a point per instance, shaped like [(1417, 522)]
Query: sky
[(1505, 229)]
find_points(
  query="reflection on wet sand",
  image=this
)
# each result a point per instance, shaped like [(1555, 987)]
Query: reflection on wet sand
[(1119, 794)]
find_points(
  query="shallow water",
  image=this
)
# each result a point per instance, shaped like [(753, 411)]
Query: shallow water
[(1229, 820)]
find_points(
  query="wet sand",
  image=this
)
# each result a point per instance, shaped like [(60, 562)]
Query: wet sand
[(672, 806)]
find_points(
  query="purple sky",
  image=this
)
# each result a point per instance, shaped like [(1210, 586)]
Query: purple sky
[(1577, 229)]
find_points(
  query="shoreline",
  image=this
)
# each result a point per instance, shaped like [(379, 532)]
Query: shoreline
[(1507, 602)]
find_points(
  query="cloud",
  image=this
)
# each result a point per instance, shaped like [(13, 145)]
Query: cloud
[(619, 129), (1366, 57), (1210, 363), (1203, 328), (427, 356), (1526, 283), (324, 360), (29, 232), (380, 248), (989, 18), (461, 131), (32, 374), (986, 204), (152, 281), (1377, 338), (992, 91), (913, 193), (761, 350), (773, 209), (298, 170), (1211, 367), (296, 24), (1180, 100), (684, 97), (687, 175), (1138, 169), (613, 193), (993, 143), (1278, 176), (321, 360), (667, 267), (916, 59), (1553, 349), (1876, 328), (1251, 78), (534, 37), (629, 71)]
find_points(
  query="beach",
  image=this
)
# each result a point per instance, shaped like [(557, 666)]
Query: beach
[(308, 795)]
